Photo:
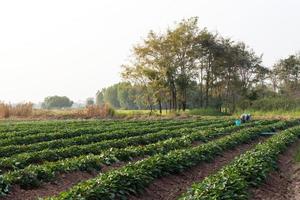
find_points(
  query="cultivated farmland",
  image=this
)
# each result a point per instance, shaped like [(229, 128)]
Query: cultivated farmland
[(150, 159)]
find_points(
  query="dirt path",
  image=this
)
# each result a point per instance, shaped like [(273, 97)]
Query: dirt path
[(62, 182), (172, 186), (295, 183), (284, 183)]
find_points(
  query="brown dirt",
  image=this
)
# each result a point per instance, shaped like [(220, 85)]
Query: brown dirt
[(66, 181), (172, 186), (62, 182), (284, 183), (295, 184)]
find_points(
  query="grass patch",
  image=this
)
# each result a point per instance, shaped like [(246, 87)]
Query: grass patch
[(207, 112), (280, 113)]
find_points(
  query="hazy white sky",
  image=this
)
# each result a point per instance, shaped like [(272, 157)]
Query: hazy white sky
[(74, 48)]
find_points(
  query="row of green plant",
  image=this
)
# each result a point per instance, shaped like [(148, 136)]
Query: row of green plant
[(85, 125), (39, 126), (91, 128), (36, 128), (24, 159), (249, 169), (40, 137), (84, 139), (133, 178), (33, 175), (11, 126)]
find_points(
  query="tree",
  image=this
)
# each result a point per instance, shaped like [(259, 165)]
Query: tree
[(57, 102), (127, 95), (188, 66), (166, 61), (111, 96), (122, 95), (100, 97), (183, 40), (287, 72), (90, 101)]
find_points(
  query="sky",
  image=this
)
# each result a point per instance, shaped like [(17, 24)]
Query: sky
[(74, 48)]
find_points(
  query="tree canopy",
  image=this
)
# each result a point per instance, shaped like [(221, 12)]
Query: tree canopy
[(187, 66), (173, 64), (57, 102)]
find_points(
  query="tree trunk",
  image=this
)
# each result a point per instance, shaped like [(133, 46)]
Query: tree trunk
[(150, 105), (166, 104), (201, 88), (174, 97), (208, 81), (206, 91), (160, 106), (184, 100)]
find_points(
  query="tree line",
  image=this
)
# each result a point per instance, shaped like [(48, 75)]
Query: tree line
[(190, 67)]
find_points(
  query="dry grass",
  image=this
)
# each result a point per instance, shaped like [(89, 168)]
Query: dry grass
[(95, 111), (19, 110), (92, 111), (4, 110)]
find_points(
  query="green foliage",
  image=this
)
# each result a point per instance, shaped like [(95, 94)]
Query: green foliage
[(206, 112), (47, 171), (271, 104), (122, 95), (4, 185), (57, 102), (90, 101), (133, 178), (249, 169), (189, 67), (94, 144), (287, 75), (167, 147), (185, 58), (100, 98)]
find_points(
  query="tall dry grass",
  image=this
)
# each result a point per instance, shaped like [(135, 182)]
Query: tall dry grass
[(4, 110), (19, 110), (95, 111)]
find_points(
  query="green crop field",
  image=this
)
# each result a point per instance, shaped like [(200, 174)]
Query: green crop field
[(118, 159)]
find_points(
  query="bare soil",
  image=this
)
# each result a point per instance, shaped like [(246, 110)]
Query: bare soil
[(172, 186), (169, 187), (283, 183), (62, 182)]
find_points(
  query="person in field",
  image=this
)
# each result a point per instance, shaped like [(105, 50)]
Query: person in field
[(245, 118)]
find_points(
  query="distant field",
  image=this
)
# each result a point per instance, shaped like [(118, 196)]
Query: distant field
[(137, 159), (277, 113)]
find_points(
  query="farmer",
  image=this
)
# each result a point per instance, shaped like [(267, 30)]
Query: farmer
[(245, 118)]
